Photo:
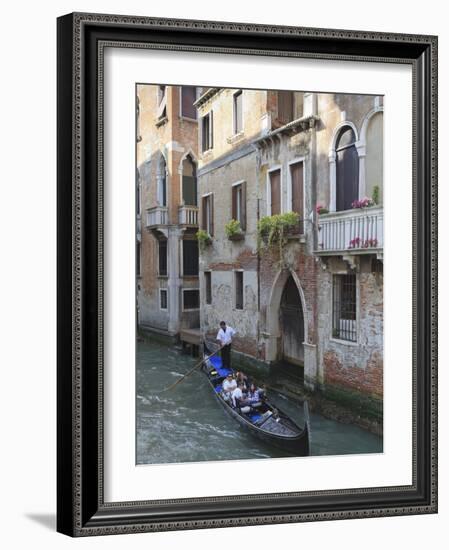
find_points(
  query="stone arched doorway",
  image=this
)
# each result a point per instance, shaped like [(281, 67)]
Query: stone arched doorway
[(291, 324), (286, 297)]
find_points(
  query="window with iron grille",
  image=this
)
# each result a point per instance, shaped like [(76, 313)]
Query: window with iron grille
[(163, 299), (163, 258), (238, 289), (190, 259), (208, 285), (344, 307), (191, 299)]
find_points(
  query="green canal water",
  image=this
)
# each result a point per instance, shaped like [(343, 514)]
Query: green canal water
[(187, 424)]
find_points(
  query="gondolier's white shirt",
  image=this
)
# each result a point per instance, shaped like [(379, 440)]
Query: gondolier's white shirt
[(225, 336)]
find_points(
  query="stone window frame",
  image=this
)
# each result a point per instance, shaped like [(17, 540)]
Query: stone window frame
[(210, 115), (194, 159), (243, 207), (161, 290), (207, 272), (210, 228), (234, 286), (159, 274), (235, 131), (305, 170), (350, 343), (183, 290), (181, 258), (268, 188)]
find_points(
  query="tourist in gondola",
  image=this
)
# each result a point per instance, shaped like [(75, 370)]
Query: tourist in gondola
[(228, 385), (242, 379), (254, 395), (224, 337)]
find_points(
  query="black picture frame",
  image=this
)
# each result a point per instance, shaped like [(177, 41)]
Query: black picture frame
[(81, 510)]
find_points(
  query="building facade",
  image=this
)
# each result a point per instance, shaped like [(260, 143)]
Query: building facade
[(314, 296), (167, 209)]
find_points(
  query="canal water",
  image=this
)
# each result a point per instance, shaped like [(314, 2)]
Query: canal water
[(187, 424)]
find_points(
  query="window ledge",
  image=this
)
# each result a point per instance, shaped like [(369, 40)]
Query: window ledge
[(344, 342), (161, 121), (237, 237), (236, 137), (188, 119)]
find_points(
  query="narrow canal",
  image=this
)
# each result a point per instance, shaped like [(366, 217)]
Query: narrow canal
[(187, 424)]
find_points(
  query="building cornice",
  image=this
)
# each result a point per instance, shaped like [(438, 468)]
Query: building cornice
[(295, 126), (208, 94)]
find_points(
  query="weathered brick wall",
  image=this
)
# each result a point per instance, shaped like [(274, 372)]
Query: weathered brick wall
[(353, 365)]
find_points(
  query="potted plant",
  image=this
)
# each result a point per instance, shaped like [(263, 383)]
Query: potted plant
[(363, 203), (203, 238), (320, 209), (275, 230), (376, 194), (234, 231)]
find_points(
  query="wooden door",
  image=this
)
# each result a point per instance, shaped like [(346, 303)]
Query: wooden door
[(292, 324)]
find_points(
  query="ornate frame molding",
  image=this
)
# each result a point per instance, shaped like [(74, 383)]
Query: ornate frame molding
[(81, 507)]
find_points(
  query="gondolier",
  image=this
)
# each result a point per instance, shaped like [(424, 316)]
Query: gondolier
[(224, 337)]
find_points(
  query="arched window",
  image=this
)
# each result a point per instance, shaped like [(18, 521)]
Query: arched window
[(162, 182), (374, 157), (189, 184), (347, 169)]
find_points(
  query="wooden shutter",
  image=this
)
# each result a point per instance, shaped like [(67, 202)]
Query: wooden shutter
[(285, 106), (190, 265), (211, 215), (243, 207), (204, 213), (275, 187), (297, 179), (347, 177), (211, 130), (188, 97), (234, 202)]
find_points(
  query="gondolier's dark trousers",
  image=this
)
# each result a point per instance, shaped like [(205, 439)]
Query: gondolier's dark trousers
[(226, 356)]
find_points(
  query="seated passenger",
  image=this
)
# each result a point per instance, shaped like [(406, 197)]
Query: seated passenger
[(228, 385), (242, 379), (238, 396), (254, 395)]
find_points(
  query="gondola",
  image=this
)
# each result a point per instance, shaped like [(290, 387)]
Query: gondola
[(265, 421)]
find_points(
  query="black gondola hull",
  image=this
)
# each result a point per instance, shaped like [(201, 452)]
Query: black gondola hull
[(298, 445)]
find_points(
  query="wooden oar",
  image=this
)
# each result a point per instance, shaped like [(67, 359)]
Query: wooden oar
[(190, 372)]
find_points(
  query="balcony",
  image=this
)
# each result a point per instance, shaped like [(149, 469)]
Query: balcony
[(188, 215), (358, 231), (157, 216)]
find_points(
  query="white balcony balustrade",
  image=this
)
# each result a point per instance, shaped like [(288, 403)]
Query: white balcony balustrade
[(188, 215), (157, 215), (357, 231)]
